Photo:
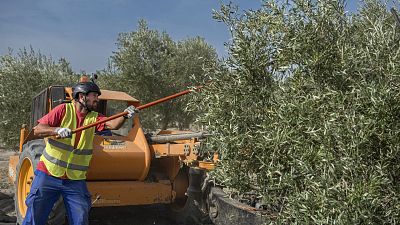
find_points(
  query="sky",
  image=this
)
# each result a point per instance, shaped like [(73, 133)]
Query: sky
[(85, 32)]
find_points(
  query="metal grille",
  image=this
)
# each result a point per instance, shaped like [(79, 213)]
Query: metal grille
[(57, 95), (39, 107)]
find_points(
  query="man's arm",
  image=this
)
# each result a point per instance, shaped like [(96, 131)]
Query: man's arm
[(49, 124), (115, 124), (44, 130)]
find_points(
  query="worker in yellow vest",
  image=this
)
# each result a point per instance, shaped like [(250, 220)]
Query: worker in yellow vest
[(62, 168)]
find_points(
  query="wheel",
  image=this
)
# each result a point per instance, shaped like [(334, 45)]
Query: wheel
[(27, 164), (188, 208)]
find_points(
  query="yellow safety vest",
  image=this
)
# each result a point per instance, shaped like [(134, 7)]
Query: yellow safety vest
[(61, 158)]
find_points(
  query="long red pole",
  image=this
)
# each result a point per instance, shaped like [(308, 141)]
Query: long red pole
[(139, 108)]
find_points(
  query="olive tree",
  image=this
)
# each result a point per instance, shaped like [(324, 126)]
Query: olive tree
[(22, 76), (149, 65), (305, 111)]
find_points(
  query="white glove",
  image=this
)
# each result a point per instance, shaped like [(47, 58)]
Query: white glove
[(131, 112), (63, 132)]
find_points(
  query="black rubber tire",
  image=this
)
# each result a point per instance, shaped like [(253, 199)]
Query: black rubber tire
[(33, 150), (191, 212)]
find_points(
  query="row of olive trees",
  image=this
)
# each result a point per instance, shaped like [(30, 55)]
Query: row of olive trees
[(306, 111), (148, 65), (22, 76)]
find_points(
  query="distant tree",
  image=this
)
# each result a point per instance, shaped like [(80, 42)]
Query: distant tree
[(22, 76), (149, 65)]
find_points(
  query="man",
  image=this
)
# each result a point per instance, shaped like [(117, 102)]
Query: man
[(62, 167)]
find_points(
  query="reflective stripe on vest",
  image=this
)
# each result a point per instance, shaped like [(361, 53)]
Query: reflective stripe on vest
[(60, 157), (63, 163), (69, 147)]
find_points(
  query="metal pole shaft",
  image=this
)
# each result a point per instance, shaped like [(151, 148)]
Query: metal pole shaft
[(139, 108)]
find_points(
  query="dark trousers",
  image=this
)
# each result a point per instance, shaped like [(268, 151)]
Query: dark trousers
[(46, 190)]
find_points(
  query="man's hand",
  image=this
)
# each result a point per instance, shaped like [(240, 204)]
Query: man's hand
[(131, 112), (63, 132)]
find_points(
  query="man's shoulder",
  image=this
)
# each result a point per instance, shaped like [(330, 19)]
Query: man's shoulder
[(54, 116), (59, 108)]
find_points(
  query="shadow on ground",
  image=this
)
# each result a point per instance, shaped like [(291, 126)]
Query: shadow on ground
[(132, 215)]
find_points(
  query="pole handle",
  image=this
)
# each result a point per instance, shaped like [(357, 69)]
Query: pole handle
[(150, 104)]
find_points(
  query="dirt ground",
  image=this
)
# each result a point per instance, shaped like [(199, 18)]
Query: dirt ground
[(7, 212), (138, 215)]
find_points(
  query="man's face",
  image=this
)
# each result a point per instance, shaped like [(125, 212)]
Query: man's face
[(92, 99)]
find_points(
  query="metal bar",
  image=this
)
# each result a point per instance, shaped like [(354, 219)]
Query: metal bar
[(174, 137), (165, 99)]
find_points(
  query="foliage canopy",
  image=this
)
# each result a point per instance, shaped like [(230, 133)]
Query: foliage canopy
[(149, 65), (306, 111), (22, 76)]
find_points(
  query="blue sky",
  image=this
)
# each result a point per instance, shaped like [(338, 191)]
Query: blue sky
[(85, 32)]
